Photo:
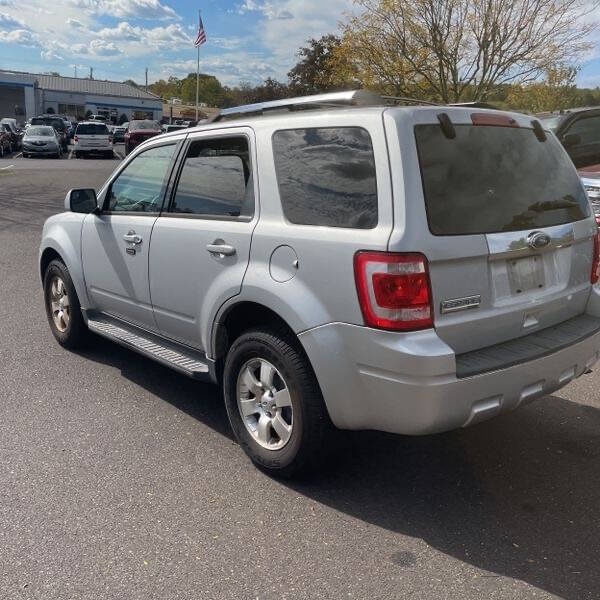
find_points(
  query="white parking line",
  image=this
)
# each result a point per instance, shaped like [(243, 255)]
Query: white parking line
[(70, 155), (7, 167), (20, 154), (118, 155)]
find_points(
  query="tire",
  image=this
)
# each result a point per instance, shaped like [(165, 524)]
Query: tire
[(303, 409), (25, 155), (70, 331)]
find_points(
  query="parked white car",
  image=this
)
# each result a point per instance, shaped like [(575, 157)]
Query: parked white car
[(93, 137)]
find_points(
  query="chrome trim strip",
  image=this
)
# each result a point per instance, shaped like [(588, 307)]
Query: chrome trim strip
[(513, 243)]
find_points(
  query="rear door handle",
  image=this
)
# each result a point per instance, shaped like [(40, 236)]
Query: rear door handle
[(132, 238), (221, 249)]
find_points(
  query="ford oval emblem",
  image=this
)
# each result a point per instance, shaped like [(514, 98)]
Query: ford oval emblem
[(538, 239)]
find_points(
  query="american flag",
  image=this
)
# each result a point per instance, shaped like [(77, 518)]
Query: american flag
[(201, 37)]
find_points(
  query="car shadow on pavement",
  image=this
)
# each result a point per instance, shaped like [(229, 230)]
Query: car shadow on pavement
[(518, 496)]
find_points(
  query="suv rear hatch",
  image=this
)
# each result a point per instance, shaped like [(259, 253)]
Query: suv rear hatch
[(503, 220), (92, 135)]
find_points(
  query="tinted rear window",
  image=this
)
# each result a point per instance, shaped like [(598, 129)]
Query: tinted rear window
[(492, 179), (144, 125), (92, 129), (58, 124), (327, 176)]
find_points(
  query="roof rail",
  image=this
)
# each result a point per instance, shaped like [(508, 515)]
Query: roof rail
[(350, 98)]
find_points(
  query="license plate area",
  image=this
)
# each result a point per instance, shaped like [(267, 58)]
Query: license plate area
[(525, 274)]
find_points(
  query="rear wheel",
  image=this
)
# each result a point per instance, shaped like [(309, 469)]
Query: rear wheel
[(274, 404), (62, 306)]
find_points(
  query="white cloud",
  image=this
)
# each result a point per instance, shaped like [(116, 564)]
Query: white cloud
[(8, 22), (171, 36), (139, 9), (270, 10), (50, 55), (230, 68), (22, 37), (103, 48), (123, 31), (75, 23)]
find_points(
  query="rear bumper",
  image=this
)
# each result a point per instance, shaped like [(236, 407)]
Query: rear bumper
[(93, 150), (407, 383), (39, 150)]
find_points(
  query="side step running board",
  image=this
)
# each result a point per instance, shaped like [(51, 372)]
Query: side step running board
[(187, 361)]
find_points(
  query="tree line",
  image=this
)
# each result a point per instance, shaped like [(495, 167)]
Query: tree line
[(518, 54)]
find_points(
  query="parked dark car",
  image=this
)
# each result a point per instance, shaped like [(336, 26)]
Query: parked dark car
[(5, 142), (140, 131), (119, 134), (15, 134), (58, 124), (578, 130)]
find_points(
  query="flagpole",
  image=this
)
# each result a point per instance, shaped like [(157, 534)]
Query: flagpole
[(198, 72)]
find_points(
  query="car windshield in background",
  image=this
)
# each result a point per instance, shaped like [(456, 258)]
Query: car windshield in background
[(40, 131), (551, 123), (493, 179), (92, 129), (144, 125), (58, 124)]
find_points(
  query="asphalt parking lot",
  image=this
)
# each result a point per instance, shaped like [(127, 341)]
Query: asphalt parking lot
[(120, 479)]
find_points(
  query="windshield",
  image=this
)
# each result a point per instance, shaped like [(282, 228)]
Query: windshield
[(493, 179), (41, 131), (144, 125), (551, 122), (92, 129), (58, 124)]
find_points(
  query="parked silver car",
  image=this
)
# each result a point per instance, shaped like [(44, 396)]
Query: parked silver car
[(333, 261), (41, 140)]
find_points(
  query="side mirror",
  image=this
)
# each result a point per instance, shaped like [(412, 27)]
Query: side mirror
[(571, 139), (81, 201)]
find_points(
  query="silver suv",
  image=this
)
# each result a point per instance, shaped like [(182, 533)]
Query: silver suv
[(336, 262)]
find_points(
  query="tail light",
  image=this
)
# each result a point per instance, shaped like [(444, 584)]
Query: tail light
[(394, 290), (596, 259), (75, 138), (110, 138)]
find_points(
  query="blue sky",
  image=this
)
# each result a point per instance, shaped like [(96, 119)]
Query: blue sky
[(248, 40)]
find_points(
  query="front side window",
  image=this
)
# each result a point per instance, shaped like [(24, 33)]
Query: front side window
[(216, 179), (139, 187), (327, 176)]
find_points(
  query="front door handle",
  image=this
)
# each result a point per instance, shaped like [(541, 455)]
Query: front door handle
[(221, 249), (132, 238)]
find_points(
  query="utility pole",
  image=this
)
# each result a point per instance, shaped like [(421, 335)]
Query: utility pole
[(75, 71), (91, 72), (146, 78)]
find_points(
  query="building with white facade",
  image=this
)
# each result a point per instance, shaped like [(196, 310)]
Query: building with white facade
[(25, 95)]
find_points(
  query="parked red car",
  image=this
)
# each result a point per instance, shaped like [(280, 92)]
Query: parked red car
[(140, 131)]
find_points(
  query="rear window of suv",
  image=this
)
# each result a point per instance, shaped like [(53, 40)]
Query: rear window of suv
[(327, 176), (492, 179), (92, 129)]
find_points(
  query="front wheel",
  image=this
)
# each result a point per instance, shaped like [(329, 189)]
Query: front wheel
[(274, 404), (62, 306)]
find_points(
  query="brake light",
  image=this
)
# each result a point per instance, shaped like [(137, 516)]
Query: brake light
[(493, 119), (75, 138), (394, 290), (596, 259)]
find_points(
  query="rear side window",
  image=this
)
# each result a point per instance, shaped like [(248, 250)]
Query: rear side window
[(92, 129), (493, 179), (327, 176), (216, 179)]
